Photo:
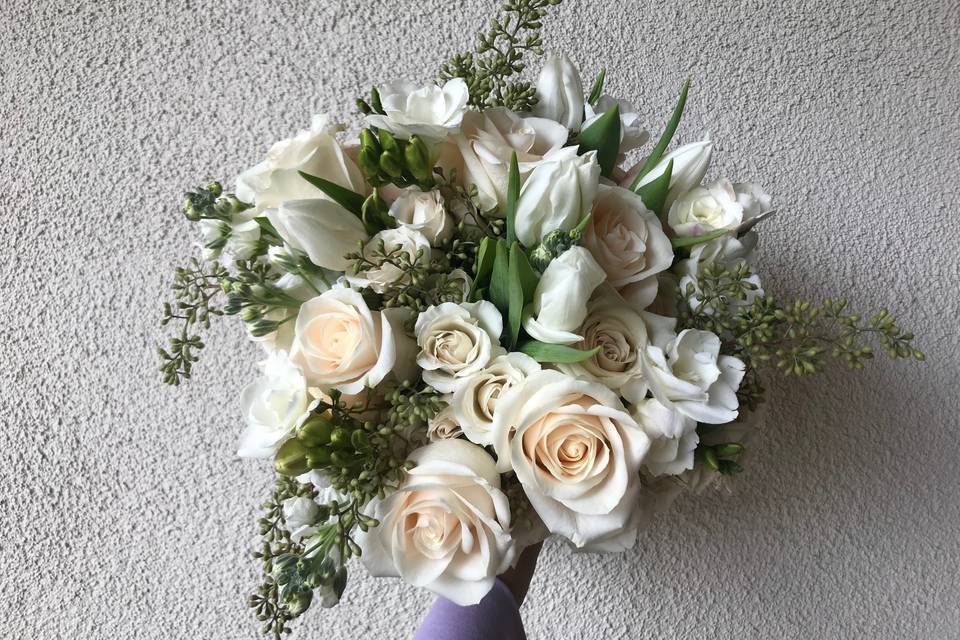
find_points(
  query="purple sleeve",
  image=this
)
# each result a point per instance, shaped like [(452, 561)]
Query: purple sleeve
[(497, 617)]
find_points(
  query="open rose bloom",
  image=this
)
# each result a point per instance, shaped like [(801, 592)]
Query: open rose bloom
[(485, 326)]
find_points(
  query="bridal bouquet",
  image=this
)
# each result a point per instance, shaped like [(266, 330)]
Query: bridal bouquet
[(484, 324)]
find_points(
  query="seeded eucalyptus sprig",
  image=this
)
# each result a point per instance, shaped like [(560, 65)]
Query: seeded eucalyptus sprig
[(488, 71)]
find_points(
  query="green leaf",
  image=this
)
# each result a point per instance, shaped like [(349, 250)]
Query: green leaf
[(597, 87), (483, 266), (513, 197), (349, 200), (664, 141), (528, 277), (654, 193), (603, 136), (500, 278), (559, 353), (515, 311), (689, 241)]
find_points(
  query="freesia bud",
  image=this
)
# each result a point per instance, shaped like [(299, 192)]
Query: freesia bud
[(291, 458), (560, 92), (690, 164)]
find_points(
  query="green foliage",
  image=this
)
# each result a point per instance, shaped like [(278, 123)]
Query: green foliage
[(654, 193), (597, 89), (555, 353), (665, 138), (603, 136), (489, 71), (385, 159), (513, 198)]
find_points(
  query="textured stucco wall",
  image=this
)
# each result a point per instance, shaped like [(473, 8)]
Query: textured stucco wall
[(124, 512)]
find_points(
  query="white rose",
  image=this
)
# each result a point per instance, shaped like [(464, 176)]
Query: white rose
[(692, 377), (425, 213), (560, 92), (727, 251), (560, 300), (626, 238), (690, 164), (314, 151), (300, 514), (475, 401), (272, 405), (296, 286), (456, 341), (402, 240), (322, 229), (444, 425), (705, 209), (557, 194), (632, 133), (447, 527), (431, 112), (577, 454), (487, 141), (341, 343), (621, 334), (673, 438)]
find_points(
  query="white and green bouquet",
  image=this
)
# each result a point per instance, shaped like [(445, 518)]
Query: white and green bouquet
[(484, 327)]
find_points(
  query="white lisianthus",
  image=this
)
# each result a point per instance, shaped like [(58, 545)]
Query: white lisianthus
[(557, 194), (753, 199), (626, 238), (621, 334), (487, 141), (314, 151), (423, 212), (340, 343), (705, 209), (474, 402), (300, 514), (692, 377), (444, 425), (690, 164), (322, 229), (431, 112), (560, 300), (632, 133), (272, 405), (577, 454), (560, 92), (401, 240), (447, 527), (673, 438), (457, 341), (728, 251)]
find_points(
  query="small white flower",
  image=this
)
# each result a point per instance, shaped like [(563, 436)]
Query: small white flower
[(557, 194), (753, 199), (402, 240), (560, 300), (444, 425), (704, 209), (300, 514), (474, 402), (727, 251), (431, 112), (692, 377), (272, 405), (457, 341), (673, 438), (560, 92), (423, 212)]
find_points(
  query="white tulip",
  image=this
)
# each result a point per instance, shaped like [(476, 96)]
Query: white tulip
[(322, 229), (431, 112), (474, 403), (557, 194), (577, 454), (632, 133), (340, 343), (705, 209), (560, 301), (487, 141), (673, 438), (457, 341), (447, 528), (690, 164), (402, 240), (423, 212), (314, 151), (560, 92), (272, 405), (692, 377)]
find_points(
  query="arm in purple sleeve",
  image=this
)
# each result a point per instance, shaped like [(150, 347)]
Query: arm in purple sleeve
[(497, 617)]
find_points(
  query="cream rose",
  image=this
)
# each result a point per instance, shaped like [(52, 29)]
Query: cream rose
[(402, 240), (272, 405), (487, 141), (423, 212), (474, 402), (340, 343), (457, 341), (625, 238), (447, 527), (444, 425), (705, 209), (577, 454)]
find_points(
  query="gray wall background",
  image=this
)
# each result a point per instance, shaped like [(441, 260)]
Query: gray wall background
[(125, 513)]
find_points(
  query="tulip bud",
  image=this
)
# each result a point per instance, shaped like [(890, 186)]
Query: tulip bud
[(690, 164), (291, 458), (391, 164), (369, 141), (560, 92)]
